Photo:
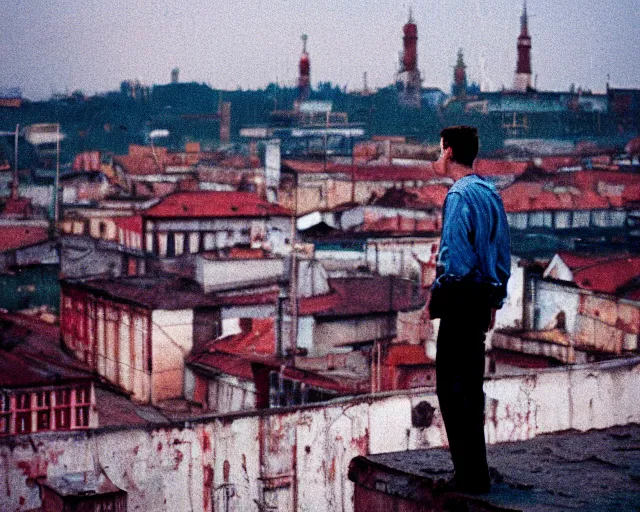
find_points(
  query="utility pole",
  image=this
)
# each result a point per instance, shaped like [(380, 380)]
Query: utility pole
[(56, 208), (293, 285), (14, 185)]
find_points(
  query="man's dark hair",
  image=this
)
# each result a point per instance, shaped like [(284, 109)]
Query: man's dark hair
[(463, 141)]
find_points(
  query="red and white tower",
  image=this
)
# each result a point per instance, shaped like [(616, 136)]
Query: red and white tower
[(522, 79), (304, 76), (408, 80)]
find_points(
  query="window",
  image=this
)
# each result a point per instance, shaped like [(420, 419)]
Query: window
[(194, 243), (83, 402), (580, 219), (63, 409), (179, 243), (171, 245), (43, 410), (285, 392), (209, 241), (617, 218), (162, 244), (23, 413), (601, 218), (5, 413), (563, 220)]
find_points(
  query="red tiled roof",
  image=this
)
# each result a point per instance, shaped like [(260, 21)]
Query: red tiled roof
[(14, 237), (383, 172), (214, 204), (495, 167), (577, 261), (230, 364), (398, 354), (593, 176), (257, 340), (132, 223), (399, 224), (36, 357), (139, 165), (147, 160), (534, 196), (631, 193), (234, 354), (318, 303), (155, 292), (432, 195), (608, 276)]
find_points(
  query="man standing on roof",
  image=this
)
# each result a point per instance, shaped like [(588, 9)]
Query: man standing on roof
[(471, 282)]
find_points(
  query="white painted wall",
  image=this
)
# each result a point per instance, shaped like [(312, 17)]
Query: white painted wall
[(171, 341), (399, 257), (217, 274), (510, 315), (171, 469), (328, 334), (551, 298)]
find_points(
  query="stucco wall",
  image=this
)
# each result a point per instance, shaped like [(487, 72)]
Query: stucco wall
[(214, 274), (297, 459), (171, 341), (510, 315)]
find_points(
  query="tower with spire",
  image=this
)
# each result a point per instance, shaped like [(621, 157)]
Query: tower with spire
[(408, 80), (459, 88), (304, 73), (522, 78)]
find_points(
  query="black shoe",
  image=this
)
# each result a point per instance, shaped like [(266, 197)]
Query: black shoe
[(454, 484)]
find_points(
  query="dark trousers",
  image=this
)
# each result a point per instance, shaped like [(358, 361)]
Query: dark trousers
[(459, 379)]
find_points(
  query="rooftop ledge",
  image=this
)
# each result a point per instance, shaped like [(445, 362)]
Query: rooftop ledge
[(597, 470)]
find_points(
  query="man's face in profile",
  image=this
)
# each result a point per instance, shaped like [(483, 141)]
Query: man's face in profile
[(445, 154)]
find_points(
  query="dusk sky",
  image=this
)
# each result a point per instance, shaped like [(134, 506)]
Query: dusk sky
[(92, 45)]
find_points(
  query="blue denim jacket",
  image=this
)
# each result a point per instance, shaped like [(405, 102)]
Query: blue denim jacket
[(475, 236)]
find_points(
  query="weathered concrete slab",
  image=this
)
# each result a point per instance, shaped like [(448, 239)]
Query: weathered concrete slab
[(598, 470)]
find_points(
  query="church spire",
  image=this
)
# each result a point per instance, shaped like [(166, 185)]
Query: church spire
[(522, 79)]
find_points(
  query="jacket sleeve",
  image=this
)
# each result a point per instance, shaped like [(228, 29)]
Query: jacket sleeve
[(457, 253)]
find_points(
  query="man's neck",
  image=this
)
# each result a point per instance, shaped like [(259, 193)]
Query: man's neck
[(458, 170)]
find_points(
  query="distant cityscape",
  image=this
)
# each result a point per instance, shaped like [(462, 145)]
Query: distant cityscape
[(216, 300)]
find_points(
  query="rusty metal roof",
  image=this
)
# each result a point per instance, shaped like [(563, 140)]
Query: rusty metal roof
[(15, 237), (31, 355), (356, 296), (162, 292)]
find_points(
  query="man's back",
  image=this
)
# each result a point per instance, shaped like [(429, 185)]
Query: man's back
[(475, 235)]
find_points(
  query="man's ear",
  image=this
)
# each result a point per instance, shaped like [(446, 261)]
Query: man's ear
[(447, 153)]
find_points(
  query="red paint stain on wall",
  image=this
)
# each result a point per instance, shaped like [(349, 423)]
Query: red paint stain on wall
[(207, 472)]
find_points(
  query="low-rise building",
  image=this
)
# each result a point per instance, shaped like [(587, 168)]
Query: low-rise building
[(41, 387), (580, 308), (192, 222), (136, 332)]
